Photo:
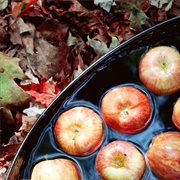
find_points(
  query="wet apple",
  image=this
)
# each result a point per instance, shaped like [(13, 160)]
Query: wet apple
[(120, 160), (79, 131), (163, 156), (176, 114), (159, 70), (56, 169), (126, 109)]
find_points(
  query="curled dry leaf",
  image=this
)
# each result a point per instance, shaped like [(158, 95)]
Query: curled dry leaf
[(27, 123)]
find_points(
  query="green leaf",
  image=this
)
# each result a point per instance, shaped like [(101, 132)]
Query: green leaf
[(10, 93), (3, 4), (137, 19)]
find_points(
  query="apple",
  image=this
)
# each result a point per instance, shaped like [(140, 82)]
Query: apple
[(126, 109), (79, 131), (163, 156), (120, 160), (176, 114), (159, 70), (56, 169)]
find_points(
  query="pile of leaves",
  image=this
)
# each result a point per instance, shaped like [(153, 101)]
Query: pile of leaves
[(45, 44)]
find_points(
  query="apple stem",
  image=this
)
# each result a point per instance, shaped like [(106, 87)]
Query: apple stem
[(118, 161), (163, 65), (76, 131), (125, 110)]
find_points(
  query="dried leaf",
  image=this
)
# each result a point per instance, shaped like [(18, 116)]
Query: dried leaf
[(105, 4), (44, 93), (27, 123), (121, 31), (3, 38), (160, 3), (21, 7), (50, 61), (3, 4), (100, 47), (33, 111)]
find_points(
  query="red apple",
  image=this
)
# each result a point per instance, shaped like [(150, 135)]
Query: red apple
[(159, 70), (126, 109), (56, 169), (79, 131), (163, 156), (176, 114), (120, 160)]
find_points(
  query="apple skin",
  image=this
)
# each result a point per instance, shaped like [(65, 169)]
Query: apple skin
[(126, 109), (163, 156), (56, 169), (120, 160), (79, 131), (159, 70), (176, 114)]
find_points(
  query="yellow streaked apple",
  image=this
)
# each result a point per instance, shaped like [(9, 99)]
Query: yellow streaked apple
[(56, 169), (126, 109), (120, 160), (176, 114), (159, 70), (163, 156), (79, 131)]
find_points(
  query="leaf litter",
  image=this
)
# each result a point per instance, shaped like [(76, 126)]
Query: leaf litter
[(44, 45)]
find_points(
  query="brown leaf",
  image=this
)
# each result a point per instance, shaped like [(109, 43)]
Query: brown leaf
[(80, 18), (120, 30), (50, 61), (175, 10), (54, 31), (3, 38), (9, 150)]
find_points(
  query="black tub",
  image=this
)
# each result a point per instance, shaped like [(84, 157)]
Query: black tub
[(116, 68)]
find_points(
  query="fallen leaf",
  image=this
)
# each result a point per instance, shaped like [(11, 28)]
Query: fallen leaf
[(160, 3), (50, 61), (3, 4), (105, 4), (27, 123), (21, 7), (54, 31), (137, 19), (100, 47), (175, 9), (3, 38), (33, 111), (120, 30), (10, 93), (43, 93), (31, 77)]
